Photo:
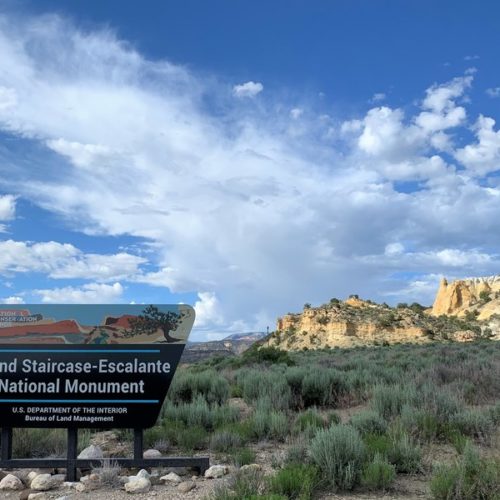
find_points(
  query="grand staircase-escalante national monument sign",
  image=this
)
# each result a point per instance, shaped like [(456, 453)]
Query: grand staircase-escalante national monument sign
[(88, 365)]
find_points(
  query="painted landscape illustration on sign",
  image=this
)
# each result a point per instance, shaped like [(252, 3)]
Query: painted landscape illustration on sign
[(96, 324)]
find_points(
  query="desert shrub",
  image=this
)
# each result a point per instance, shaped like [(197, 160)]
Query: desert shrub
[(38, 443), (272, 355), (494, 413), (247, 484), (192, 438), (470, 478), (474, 423), (308, 422), (109, 472), (377, 444), (187, 386), (405, 454), (278, 426), (200, 413), (378, 474), (243, 429), (224, 441), (295, 481), (389, 400), (154, 435), (339, 452), (439, 401), (268, 384), (369, 422), (323, 387), (333, 418), (297, 452), (243, 456)]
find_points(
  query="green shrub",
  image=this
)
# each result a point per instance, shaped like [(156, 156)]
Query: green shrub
[(187, 386), (474, 423), (470, 478), (339, 452), (278, 426), (192, 438), (295, 481), (308, 422), (369, 422), (323, 387), (297, 452), (377, 444), (405, 454), (378, 474), (38, 443), (224, 441), (389, 400), (243, 456)]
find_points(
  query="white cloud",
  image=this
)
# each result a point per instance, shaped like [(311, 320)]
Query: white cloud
[(262, 215), (493, 92), (12, 300), (377, 97), (91, 293), (484, 156), (248, 89), (7, 207), (208, 310), (65, 261), (296, 113)]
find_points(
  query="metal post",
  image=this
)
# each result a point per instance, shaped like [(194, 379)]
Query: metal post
[(71, 456), (138, 444), (6, 443)]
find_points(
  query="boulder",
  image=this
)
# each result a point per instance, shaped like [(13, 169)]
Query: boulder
[(186, 486), (171, 478), (38, 496), (152, 454), (138, 485), (11, 482), (42, 482), (143, 473), (216, 471), (91, 452)]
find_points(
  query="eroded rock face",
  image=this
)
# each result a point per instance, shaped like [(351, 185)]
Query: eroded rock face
[(458, 297)]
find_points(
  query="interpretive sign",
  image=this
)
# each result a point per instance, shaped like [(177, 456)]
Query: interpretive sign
[(88, 365)]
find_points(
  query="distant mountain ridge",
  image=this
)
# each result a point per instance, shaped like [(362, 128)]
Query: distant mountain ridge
[(231, 345)]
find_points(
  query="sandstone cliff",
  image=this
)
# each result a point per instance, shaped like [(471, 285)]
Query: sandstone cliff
[(356, 322), (478, 296)]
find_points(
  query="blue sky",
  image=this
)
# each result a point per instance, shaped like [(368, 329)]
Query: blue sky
[(246, 157)]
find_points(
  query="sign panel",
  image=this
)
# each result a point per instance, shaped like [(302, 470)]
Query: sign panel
[(98, 366)]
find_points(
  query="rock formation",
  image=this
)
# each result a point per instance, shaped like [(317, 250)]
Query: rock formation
[(480, 296)]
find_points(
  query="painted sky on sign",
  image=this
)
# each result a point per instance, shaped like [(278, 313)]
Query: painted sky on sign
[(246, 157)]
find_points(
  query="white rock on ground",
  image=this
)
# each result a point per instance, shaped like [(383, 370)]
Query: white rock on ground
[(152, 454), (143, 473), (91, 452), (32, 474), (11, 482), (172, 477), (138, 485), (42, 482), (186, 486), (250, 467), (216, 471), (38, 496)]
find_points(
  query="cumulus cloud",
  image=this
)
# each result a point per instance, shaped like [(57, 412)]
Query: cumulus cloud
[(377, 97), (91, 293), (482, 157), (12, 300), (248, 89), (493, 92), (253, 214), (62, 260), (7, 207)]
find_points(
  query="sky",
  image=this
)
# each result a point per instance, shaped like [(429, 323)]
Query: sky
[(246, 157)]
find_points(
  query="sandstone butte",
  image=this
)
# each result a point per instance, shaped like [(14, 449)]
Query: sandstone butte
[(463, 310)]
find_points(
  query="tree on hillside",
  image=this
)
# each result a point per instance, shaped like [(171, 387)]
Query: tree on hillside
[(153, 320)]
